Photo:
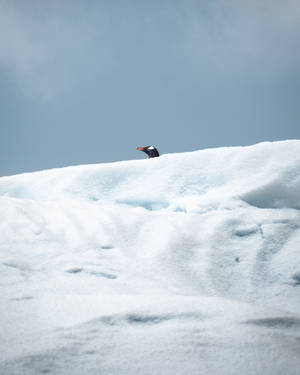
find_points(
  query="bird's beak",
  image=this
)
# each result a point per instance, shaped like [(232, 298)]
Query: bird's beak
[(140, 148)]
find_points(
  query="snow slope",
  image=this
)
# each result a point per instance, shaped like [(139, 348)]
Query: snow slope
[(184, 264)]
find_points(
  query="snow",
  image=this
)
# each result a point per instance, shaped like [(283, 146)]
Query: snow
[(183, 264)]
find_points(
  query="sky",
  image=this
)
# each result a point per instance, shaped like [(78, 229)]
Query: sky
[(89, 81)]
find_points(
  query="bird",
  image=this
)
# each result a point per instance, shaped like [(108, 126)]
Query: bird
[(151, 151)]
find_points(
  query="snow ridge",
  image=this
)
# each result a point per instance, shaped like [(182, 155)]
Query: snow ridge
[(184, 240)]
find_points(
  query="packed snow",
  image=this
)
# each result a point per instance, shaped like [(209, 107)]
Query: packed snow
[(183, 264)]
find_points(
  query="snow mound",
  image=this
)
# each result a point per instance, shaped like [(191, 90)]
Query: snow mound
[(219, 221), (266, 175), (142, 245)]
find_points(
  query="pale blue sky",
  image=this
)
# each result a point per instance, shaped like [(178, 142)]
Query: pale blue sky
[(88, 81)]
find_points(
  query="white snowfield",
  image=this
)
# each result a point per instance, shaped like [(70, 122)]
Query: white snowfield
[(183, 264)]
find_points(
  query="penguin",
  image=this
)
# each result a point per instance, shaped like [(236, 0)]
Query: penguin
[(151, 151)]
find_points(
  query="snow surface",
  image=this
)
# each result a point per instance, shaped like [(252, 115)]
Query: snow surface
[(183, 264)]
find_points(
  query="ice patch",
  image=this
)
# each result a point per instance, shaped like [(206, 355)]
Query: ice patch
[(74, 270), (296, 278), (146, 204), (275, 194), (278, 322), (107, 247), (246, 231)]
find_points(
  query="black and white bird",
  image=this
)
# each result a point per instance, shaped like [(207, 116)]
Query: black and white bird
[(151, 151)]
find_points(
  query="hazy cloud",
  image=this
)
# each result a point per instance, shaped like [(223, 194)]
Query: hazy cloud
[(52, 46)]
